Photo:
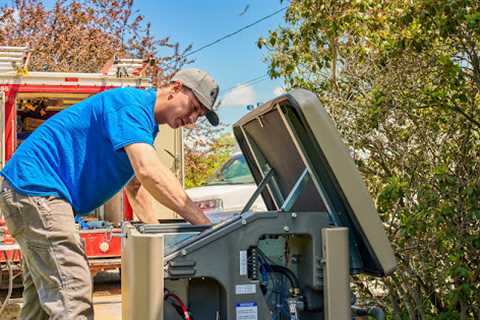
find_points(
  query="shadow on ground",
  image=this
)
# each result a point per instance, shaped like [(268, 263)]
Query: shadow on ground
[(106, 298)]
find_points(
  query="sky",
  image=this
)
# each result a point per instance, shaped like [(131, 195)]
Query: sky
[(232, 61)]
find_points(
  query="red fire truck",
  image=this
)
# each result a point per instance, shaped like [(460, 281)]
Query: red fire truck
[(27, 98)]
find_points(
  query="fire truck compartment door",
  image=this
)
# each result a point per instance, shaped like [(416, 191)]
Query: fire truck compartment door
[(2, 129)]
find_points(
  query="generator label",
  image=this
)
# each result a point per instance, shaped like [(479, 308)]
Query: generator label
[(246, 311), (245, 289), (243, 262)]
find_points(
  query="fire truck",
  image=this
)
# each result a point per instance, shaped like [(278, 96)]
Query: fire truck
[(27, 98)]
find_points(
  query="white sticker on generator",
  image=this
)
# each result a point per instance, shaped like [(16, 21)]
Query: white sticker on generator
[(247, 311), (243, 262), (245, 289)]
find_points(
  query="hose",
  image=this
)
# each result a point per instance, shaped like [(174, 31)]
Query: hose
[(183, 309), (10, 284), (288, 273)]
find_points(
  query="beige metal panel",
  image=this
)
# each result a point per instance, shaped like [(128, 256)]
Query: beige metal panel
[(347, 176), (142, 276), (337, 297), (169, 147), (2, 129)]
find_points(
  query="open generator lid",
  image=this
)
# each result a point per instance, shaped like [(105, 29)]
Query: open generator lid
[(293, 148)]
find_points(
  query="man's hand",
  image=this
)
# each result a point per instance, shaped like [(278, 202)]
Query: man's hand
[(161, 183)]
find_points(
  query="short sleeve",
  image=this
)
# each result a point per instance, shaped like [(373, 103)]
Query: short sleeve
[(127, 125)]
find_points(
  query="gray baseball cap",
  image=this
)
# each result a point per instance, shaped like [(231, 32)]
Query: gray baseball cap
[(204, 87)]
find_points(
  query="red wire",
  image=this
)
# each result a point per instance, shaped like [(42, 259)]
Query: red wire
[(182, 305)]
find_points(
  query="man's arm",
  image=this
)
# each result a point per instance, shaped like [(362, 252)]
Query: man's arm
[(161, 183), (141, 201)]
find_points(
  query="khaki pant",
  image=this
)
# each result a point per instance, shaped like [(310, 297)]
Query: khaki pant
[(56, 277)]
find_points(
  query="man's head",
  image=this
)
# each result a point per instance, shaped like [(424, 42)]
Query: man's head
[(190, 95)]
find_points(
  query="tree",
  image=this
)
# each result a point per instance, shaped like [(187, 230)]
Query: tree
[(206, 149), (81, 36), (401, 80)]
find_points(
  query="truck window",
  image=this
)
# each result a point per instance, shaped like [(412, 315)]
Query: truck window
[(234, 171)]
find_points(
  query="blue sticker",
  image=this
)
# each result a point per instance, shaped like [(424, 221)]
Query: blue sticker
[(247, 304), (246, 311)]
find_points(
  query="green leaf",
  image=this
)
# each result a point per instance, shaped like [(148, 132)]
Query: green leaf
[(476, 243), (462, 272)]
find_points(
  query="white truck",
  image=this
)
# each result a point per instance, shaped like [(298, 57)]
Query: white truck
[(227, 190)]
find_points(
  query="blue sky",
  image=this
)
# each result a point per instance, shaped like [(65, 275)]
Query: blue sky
[(232, 61)]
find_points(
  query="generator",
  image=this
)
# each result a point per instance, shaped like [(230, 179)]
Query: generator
[(293, 261)]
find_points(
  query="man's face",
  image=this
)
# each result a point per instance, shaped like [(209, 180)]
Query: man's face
[(184, 108)]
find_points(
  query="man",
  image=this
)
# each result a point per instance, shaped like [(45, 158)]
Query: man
[(77, 160)]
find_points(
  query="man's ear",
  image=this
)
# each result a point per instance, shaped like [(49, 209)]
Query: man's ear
[(174, 88), (177, 86)]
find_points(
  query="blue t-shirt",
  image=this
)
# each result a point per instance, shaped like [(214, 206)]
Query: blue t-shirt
[(78, 153)]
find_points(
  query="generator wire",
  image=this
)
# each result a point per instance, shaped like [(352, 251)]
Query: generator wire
[(177, 299), (10, 285)]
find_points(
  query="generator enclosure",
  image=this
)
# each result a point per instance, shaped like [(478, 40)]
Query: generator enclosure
[(293, 261)]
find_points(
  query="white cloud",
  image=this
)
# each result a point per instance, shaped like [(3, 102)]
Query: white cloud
[(278, 91), (240, 97)]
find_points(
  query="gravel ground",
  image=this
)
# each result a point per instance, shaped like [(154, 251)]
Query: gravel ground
[(106, 298)]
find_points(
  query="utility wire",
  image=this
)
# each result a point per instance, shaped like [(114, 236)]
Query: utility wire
[(235, 32), (227, 36), (251, 81), (259, 79), (248, 82), (251, 84)]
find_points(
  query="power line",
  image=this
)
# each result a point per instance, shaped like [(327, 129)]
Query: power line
[(255, 80), (235, 32), (250, 82), (228, 36), (246, 83)]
